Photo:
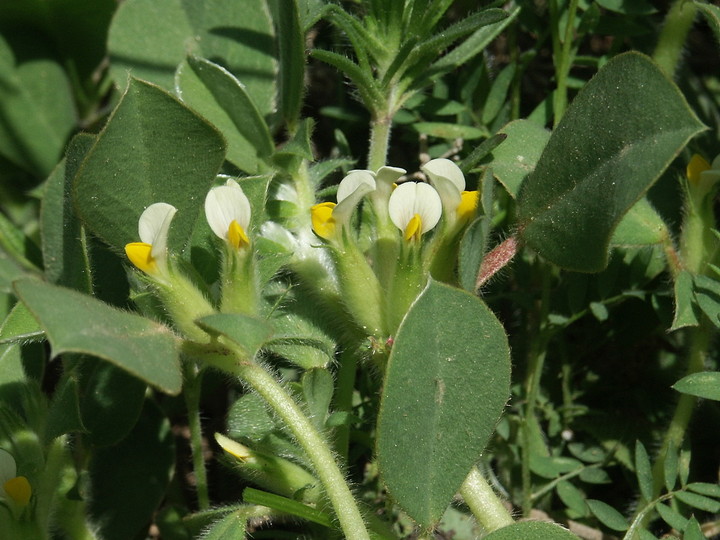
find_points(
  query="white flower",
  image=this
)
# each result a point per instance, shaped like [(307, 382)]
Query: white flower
[(150, 254), (448, 179), (414, 208), (227, 211)]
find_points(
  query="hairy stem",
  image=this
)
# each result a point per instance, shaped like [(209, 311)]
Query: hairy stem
[(485, 505), (191, 394), (315, 446), (678, 22)]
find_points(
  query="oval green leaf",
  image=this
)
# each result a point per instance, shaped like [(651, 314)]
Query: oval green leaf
[(447, 381), (531, 530), (705, 385), (77, 322), (621, 132)]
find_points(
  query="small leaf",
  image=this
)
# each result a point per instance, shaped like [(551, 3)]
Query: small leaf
[(712, 16), (531, 530), (693, 531), (641, 226), (230, 527), (498, 93), (444, 130), (429, 433), (607, 515), (685, 308), (643, 470), (671, 516), (572, 497), (318, 389), (707, 295), (288, 506), (594, 475), (620, 133), (76, 322), (20, 326), (472, 251), (699, 501), (705, 385), (248, 332), (705, 488)]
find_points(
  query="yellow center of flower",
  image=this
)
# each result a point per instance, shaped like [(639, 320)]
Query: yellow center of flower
[(413, 231), (468, 205), (19, 490), (140, 254), (236, 235), (697, 165), (323, 222)]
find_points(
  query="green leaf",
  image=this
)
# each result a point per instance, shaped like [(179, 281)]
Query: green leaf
[(705, 385), (671, 516), (572, 497), (110, 401), (711, 13), (76, 322), (230, 527), (643, 470), (153, 149), (707, 296), (636, 7), (620, 133), (693, 531), (236, 35), (35, 99), (318, 389), (249, 418), (64, 249), (20, 326), (291, 47), (515, 158), (685, 308), (288, 506), (449, 131), (248, 332), (705, 488), (64, 410), (498, 93), (641, 226), (217, 95), (553, 466), (698, 501), (472, 251), (429, 433), (607, 515), (129, 480), (531, 530)]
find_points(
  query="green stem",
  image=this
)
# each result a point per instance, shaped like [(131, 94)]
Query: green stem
[(536, 361), (191, 393), (563, 63), (316, 448), (485, 505), (700, 338), (678, 22), (379, 141)]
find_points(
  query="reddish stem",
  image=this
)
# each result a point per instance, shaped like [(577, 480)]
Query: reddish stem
[(496, 260)]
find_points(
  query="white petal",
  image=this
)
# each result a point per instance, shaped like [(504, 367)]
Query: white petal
[(353, 181), (413, 198), (389, 175), (344, 209), (8, 468), (154, 226), (444, 168), (223, 204)]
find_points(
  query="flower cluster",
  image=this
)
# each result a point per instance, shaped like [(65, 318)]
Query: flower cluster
[(227, 211), (413, 207)]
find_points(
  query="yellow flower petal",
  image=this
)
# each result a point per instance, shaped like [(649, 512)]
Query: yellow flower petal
[(236, 235), (140, 254), (414, 228), (19, 490), (697, 165), (468, 204), (323, 222)]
